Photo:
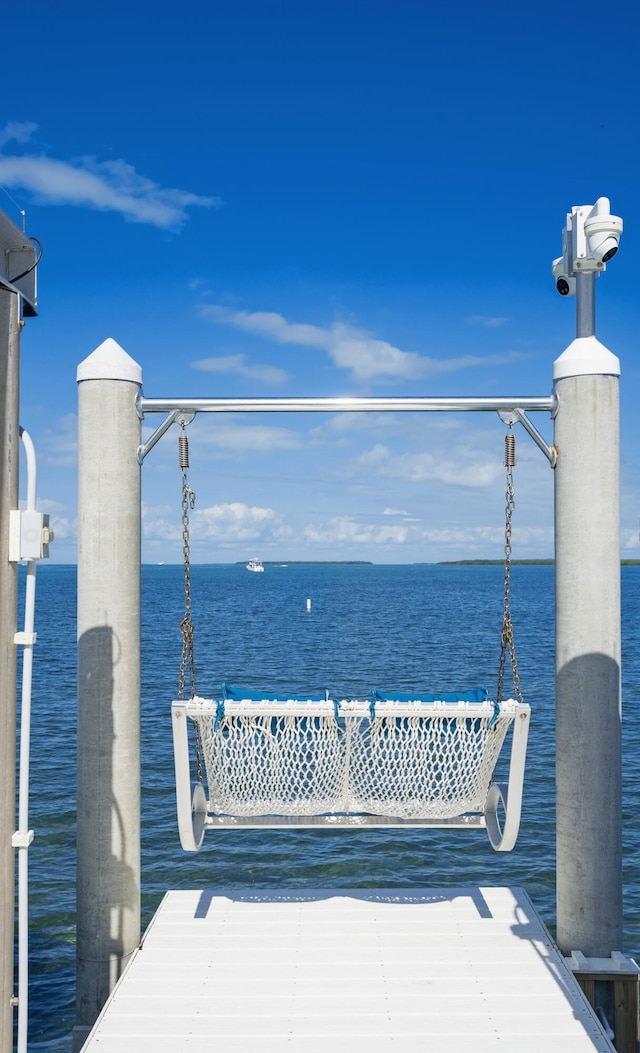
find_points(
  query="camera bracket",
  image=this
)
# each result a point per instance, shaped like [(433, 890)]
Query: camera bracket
[(589, 240)]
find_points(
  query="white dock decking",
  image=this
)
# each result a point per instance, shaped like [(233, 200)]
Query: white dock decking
[(463, 970)]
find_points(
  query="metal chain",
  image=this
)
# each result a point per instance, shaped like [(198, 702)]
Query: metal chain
[(187, 661), (507, 642)]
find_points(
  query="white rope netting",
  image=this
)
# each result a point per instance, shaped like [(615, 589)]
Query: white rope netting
[(423, 768), (434, 764), (268, 765)]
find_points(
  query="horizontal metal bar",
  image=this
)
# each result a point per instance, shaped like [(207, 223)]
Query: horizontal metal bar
[(339, 821), (201, 708), (404, 404)]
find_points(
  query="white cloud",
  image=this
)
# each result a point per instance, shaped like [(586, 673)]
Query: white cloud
[(463, 466), (111, 186), (488, 321), (347, 530), (467, 538), (348, 429), (542, 537), (223, 523), (350, 348), (237, 522), (238, 364), (60, 443), (17, 132), (160, 522), (232, 435)]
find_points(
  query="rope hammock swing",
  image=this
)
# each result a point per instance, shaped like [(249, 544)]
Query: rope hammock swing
[(396, 759)]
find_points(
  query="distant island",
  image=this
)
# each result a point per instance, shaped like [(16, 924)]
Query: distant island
[(494, 562), (518, 562)]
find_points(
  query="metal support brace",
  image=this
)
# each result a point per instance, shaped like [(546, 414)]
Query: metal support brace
[(177, 417), (519, 416), (144, 448)]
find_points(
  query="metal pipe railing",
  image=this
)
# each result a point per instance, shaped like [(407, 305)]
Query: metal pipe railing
[(345, 404), (182, 410)]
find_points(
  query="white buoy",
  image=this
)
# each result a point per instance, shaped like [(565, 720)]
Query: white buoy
[(308, 605)]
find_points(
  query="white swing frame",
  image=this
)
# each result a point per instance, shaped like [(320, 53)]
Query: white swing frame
[(195, 816), (360, 802)]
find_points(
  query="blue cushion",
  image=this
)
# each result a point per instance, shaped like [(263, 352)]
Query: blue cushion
[(475, 694), (241, 694)]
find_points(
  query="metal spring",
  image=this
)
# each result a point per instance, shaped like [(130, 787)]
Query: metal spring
[(183, 444), (509, 450)]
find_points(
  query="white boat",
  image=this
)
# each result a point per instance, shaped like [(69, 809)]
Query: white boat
[(255, 564)]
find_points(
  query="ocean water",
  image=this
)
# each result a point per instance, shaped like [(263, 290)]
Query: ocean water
[(386, 627)]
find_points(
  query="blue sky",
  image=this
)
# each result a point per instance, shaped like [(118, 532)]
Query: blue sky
[(293, 198)]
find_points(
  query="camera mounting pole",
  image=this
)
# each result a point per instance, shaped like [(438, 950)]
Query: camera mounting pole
[(585, 303)]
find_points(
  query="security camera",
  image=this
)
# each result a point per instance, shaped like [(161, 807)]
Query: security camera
[(602, 234), (566, 285), (589, 240), (565, 282)]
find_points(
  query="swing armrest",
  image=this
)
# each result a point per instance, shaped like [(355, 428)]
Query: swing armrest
[(503, 836), (191, 799)]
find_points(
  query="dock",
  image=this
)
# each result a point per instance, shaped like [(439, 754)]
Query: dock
[(460, 970)]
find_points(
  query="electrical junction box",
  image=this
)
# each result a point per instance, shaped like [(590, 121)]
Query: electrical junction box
[(29, 535)]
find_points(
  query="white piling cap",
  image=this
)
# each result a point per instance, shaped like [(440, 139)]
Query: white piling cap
[(109, 362), (586, 356)]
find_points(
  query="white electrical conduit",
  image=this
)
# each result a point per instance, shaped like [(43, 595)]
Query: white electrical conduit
[(23, 836)]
